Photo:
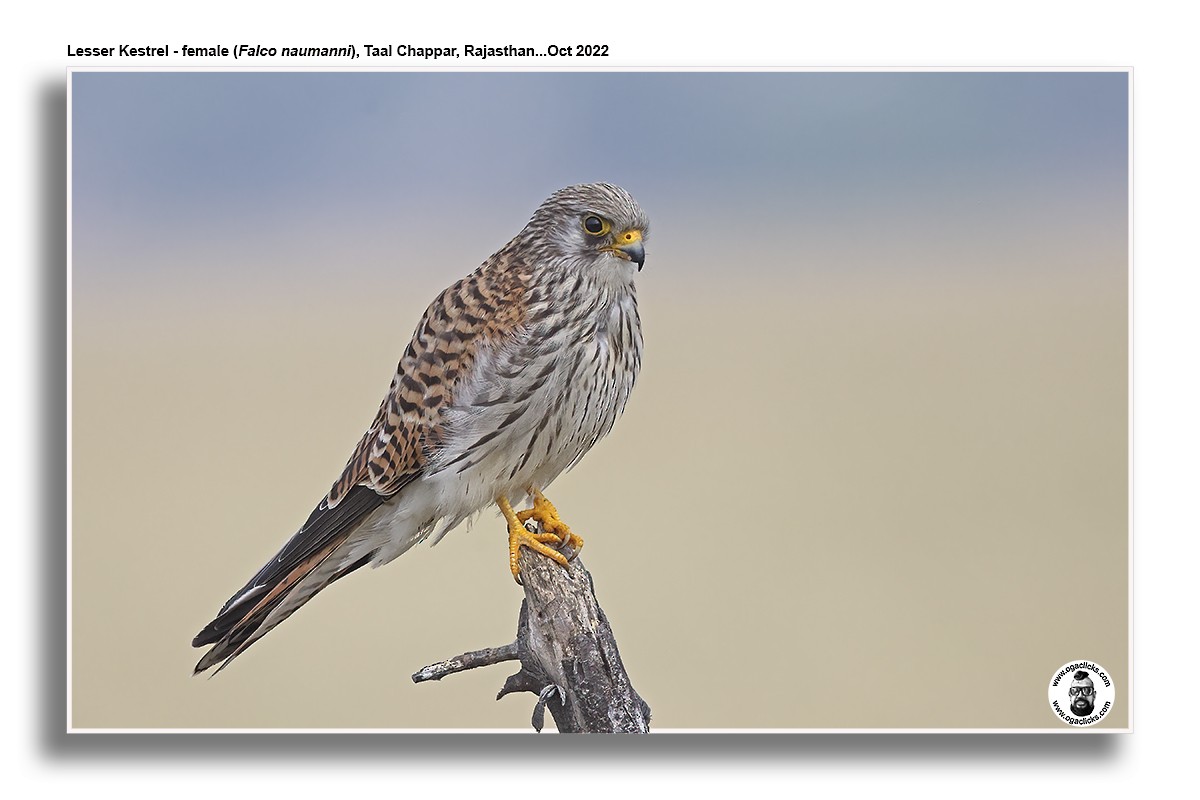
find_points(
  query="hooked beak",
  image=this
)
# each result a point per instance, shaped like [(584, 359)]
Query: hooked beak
[(628, 245)]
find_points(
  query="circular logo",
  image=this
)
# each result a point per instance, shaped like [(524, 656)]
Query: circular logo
[(1081, 693)]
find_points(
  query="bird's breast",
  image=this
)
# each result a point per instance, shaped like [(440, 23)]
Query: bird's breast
[(535, 404)]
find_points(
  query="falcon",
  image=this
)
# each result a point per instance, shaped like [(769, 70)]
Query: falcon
[(511, 376)]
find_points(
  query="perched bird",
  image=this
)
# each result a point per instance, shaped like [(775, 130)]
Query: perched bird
[(512, 375)]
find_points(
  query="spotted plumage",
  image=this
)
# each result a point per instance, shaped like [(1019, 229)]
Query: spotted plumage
[(511, 376)]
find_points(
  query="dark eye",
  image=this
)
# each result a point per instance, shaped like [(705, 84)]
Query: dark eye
[(594, 225)]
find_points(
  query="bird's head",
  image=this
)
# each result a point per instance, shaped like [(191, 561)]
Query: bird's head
[(596, 225)]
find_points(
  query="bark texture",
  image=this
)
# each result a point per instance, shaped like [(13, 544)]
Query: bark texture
[(568, 655)]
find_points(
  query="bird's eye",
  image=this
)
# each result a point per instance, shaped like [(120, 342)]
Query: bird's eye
[(594, 225)]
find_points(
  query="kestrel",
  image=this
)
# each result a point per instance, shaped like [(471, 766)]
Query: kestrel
[(512, 375)]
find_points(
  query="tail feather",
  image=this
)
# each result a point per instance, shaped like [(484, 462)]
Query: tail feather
[(300, 586), (323, 551)]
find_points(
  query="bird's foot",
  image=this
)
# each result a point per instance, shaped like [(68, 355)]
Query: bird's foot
[(544, 513), (519, 535)]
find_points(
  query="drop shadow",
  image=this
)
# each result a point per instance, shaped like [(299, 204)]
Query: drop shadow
[(56, 745)]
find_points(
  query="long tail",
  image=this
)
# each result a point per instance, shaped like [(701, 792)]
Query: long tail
[(323, 551)]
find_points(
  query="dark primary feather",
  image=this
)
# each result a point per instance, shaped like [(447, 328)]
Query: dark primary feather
[(320, 535)]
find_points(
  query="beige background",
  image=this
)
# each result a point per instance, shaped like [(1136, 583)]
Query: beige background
[(854, 505), (875, 472)]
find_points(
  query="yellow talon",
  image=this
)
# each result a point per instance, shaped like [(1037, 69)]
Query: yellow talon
[(547, 515), (518, 535)]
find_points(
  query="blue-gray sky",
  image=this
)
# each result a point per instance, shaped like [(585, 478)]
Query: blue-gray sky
[(270, 174)]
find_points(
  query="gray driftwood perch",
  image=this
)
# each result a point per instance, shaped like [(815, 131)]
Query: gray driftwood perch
[(568, 655)]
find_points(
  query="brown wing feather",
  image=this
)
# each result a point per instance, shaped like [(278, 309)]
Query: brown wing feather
[(484, 306)]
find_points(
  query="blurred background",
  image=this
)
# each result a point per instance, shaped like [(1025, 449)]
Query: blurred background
[(875, 472)]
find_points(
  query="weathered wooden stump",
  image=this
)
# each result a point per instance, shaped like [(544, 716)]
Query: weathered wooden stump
[(568, 655)]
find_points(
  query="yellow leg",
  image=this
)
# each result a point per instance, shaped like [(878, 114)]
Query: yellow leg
[(544, 512), (518, 535)]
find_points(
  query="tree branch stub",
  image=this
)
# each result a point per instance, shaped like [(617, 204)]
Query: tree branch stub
[(567, 651)]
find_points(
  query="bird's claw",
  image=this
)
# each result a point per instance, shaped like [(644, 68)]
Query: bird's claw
[(546, 515), (539, 710), (548, 536)]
